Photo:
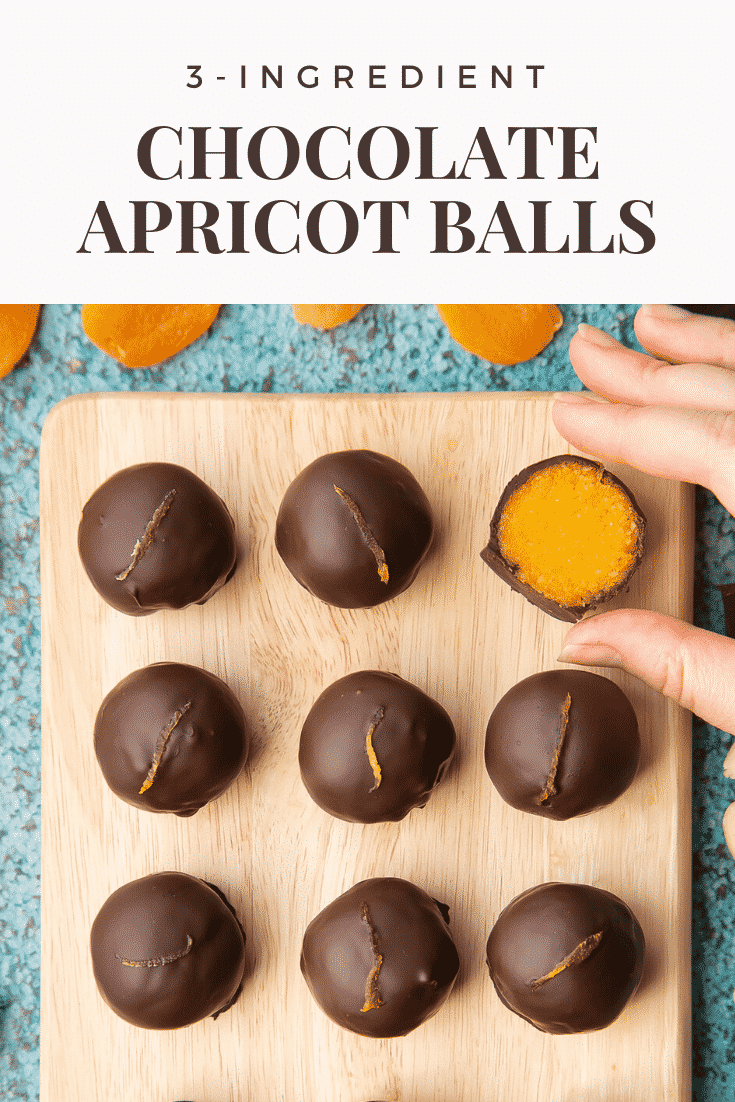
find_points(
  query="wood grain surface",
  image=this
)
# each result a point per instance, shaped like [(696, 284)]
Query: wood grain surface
[(461, 635)]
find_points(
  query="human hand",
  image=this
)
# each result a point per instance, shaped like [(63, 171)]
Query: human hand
[(673, 420)]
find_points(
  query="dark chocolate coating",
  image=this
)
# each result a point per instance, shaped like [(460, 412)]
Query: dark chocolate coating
[(543, 926), (419, 958), (722, 310), (599, 752), (203, 753), (413, 742), (191, 554), (188, 945), (727, 593), (321, 543), (492, 555)]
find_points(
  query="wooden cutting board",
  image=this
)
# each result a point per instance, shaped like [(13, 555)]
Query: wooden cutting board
[(461, 635)]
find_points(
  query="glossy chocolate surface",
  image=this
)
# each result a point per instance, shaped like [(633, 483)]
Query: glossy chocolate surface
[(379, 716), (176, 732), (562, 743), (329, 552), (167, 951), (380, 960), (156, 536), (493, 556), (723, 310), (591, 933)]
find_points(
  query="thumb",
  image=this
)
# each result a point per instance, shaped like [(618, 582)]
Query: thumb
[(694, 667)]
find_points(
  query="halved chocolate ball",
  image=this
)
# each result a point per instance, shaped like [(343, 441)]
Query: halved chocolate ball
[(566, 957), (380, 960), (354, 527), (567, 535), (167, 951), (156, 536), (170, 737), (562, 743), (373, 747)]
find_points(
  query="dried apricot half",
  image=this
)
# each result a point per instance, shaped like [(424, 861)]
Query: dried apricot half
[(145, 335), (503, 334), (17, 326), (326, 317)]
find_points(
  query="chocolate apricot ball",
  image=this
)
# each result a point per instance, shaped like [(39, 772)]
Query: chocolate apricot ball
[(562, 743), (373, 747), (170, 737), (379, 960), (156, 536), (354, 527), (167, 951), (566, 957)]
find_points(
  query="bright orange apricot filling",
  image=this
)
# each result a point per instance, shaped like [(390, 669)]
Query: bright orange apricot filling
[(570, 534)]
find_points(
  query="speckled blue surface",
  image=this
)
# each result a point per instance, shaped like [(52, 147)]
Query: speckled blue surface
[(261, 348)]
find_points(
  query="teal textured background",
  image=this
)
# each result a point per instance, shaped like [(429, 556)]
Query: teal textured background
[(256, 348)]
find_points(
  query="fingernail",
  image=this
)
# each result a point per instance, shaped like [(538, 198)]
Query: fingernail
[(664, 312), (589, 654), (596, 336)]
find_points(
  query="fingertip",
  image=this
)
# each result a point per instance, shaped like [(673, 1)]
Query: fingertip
[(680, 336), (591, 335), (688, 664), (663, 312), (568, 416), (614, 622), (614, 630), (589, 654), (652, 326), (597, 357)]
